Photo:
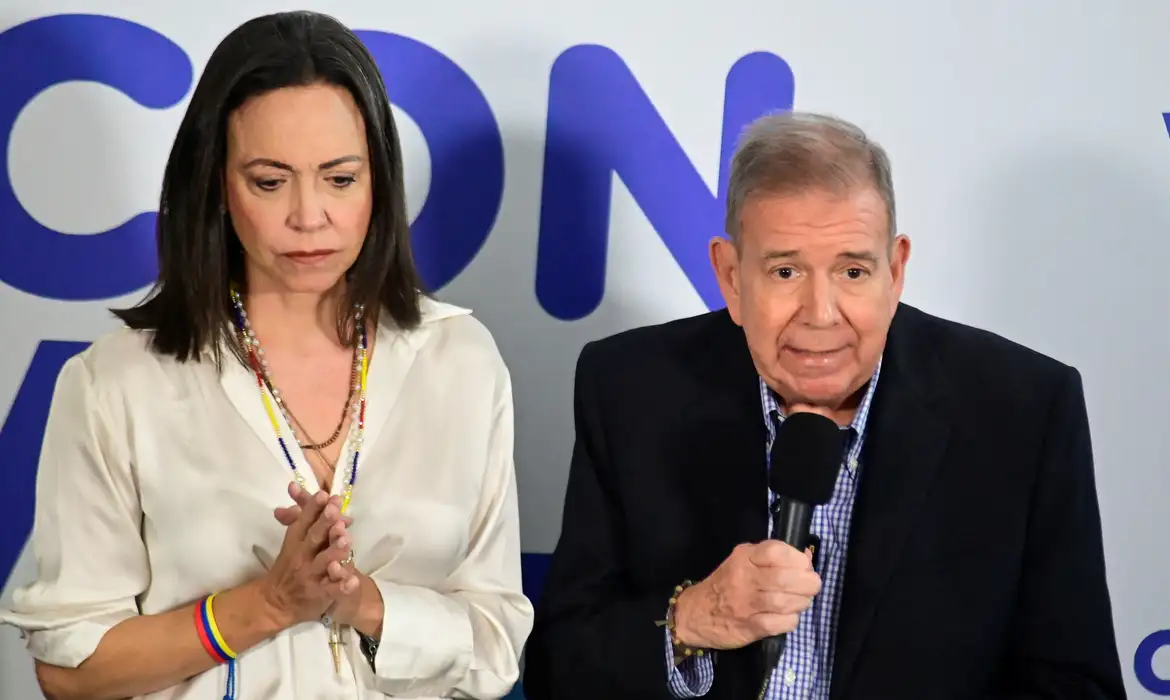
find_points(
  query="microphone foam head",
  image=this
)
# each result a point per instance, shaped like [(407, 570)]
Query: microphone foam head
[(806, 457)]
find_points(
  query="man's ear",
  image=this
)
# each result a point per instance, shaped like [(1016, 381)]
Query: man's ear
[(725, 263), (899, 256)]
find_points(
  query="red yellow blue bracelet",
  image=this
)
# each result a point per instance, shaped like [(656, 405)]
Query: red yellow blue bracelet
[(213, 642)]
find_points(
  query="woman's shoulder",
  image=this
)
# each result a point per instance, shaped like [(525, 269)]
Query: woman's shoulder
[(457, 324), (453, 334), (119, 340), (121, 348), (121, 359)]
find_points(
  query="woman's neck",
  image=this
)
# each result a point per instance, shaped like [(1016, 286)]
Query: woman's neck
[(304, 321)]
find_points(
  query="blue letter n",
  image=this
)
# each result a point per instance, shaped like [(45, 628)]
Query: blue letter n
[(600, 122)]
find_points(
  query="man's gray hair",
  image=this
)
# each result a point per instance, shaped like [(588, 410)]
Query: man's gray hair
[(794, 152)]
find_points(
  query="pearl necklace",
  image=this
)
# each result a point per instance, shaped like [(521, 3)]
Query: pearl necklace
[(357, 428)]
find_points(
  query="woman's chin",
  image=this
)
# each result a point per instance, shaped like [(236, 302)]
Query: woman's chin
[(315, 282)]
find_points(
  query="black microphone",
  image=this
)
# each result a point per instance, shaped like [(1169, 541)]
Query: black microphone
[(805, 459)]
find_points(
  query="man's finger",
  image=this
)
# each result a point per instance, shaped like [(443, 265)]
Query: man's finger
[(779, 603), (769, 624), (777, 553)]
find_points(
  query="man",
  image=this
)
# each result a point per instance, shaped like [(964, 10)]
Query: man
[(960, 555)]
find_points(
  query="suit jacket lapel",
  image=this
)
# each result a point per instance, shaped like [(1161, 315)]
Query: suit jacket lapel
[(907, 437), (722, 442), (722, 449)]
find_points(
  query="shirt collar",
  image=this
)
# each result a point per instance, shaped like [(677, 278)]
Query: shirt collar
[(771, 406)]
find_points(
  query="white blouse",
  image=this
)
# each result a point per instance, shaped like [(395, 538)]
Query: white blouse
[(157, 482)]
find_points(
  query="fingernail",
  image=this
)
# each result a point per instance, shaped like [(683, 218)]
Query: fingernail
[(342, 543)]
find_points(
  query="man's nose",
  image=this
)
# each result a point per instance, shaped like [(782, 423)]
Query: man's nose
[(819, 305)]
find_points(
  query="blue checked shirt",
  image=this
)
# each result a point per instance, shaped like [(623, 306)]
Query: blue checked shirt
[(806, 665)]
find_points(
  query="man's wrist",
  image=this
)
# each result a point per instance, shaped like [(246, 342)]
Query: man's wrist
[(686, 613)]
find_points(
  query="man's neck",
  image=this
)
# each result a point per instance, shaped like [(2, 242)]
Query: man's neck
[(841, 413)]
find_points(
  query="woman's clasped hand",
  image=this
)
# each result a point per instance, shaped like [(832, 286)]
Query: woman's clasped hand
[(311, 574)]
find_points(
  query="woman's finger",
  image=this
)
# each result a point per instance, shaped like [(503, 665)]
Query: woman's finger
[(337, 532), (338, 589), (300, 495), (320, 564), (318, 533), (287, 515), (336, 571), (311, 510)]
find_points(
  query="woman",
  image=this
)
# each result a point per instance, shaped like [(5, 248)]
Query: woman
[(285, 341)]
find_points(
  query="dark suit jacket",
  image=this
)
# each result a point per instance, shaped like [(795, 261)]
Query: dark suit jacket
[(975, 566)]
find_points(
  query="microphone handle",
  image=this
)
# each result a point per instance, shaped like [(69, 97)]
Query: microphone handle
[(791, 524)]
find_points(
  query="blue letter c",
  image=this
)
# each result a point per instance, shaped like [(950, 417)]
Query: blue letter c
[(139, 62), (1143, 663)]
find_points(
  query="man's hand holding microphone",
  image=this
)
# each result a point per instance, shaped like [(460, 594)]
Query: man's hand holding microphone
[(761, 589)]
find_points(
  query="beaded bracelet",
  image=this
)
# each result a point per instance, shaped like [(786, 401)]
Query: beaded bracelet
[(214, 644), (681, 651)]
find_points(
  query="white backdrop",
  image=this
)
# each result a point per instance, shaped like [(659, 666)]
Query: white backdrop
[(1031, 160)]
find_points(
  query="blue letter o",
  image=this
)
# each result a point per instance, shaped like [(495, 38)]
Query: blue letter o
[(467, 152), (1143, 663)]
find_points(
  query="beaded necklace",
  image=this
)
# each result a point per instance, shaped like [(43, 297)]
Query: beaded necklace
[(353, 443)]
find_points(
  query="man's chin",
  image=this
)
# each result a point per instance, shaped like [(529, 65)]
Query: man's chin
[(829, 391)]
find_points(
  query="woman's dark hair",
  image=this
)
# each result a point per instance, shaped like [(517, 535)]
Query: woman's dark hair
[(189, 309)]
